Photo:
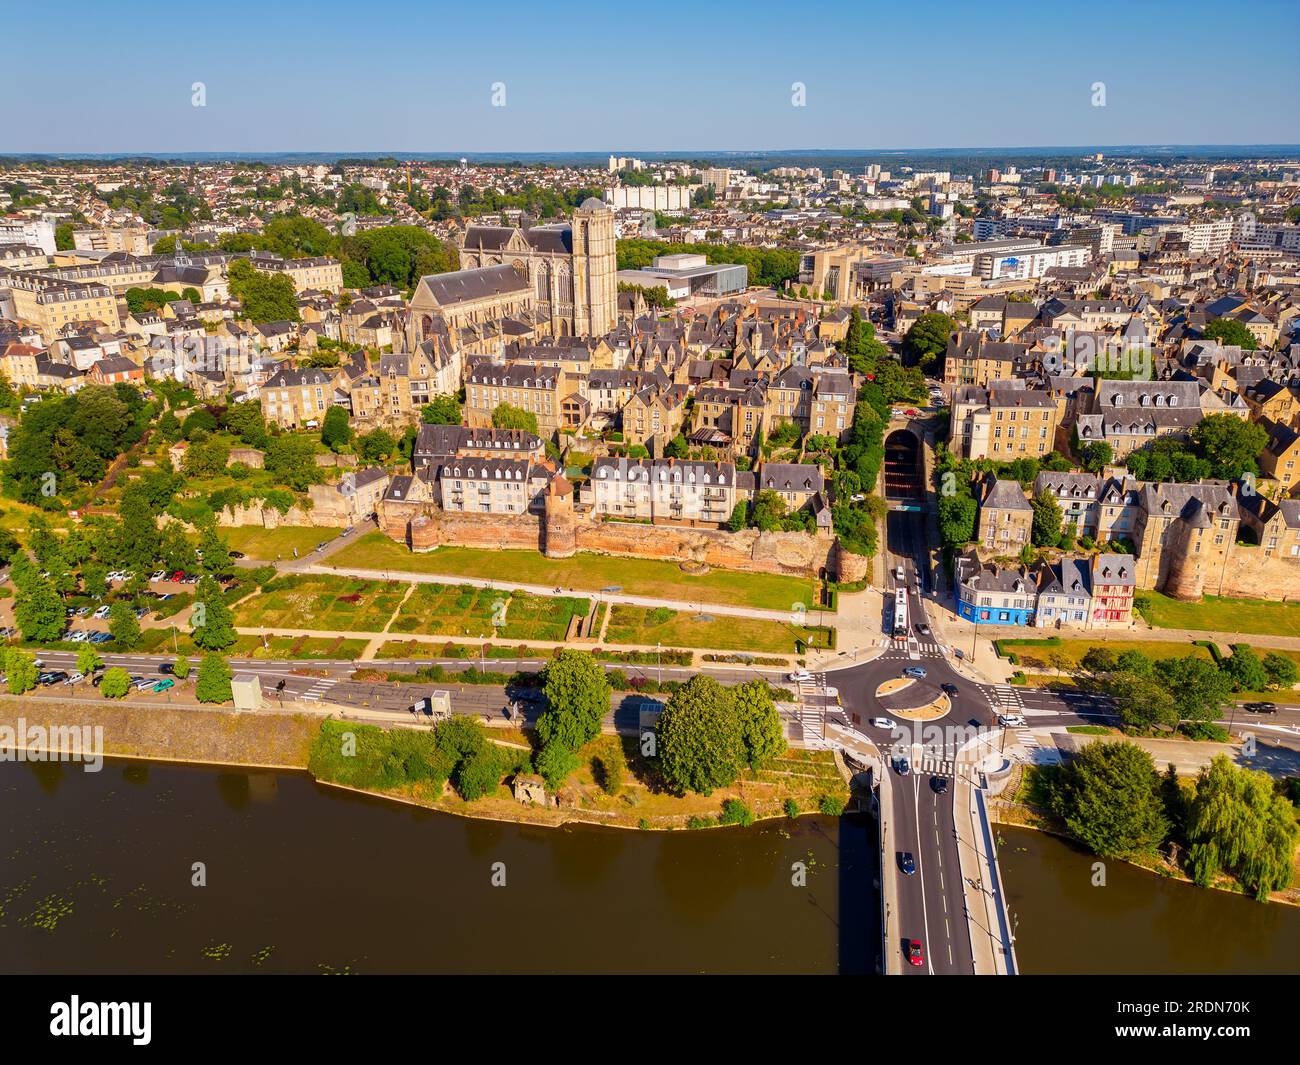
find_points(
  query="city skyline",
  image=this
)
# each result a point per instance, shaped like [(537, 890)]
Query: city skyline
[(432, 81)]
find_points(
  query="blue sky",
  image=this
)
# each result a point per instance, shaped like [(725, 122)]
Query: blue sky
[(649, 75)]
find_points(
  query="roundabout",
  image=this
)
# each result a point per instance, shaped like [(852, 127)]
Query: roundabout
[(913, 700)]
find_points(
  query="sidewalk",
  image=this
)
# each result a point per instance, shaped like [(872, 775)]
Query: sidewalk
[(991, 945)]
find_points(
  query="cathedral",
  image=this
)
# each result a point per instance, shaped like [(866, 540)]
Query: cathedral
[(571, 267)]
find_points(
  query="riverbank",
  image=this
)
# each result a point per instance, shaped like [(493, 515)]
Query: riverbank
[(1010, 810), (812, 780)]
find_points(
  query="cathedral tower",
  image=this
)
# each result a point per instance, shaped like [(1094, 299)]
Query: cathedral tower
[(595, 269)]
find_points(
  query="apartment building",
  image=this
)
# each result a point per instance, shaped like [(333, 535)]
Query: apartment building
[(1114, 580), (133, 240), (1002, 422), (1130, 414), (1006, 517), (50, 303), (833, 402), (436, 443), (491, 485), (297, 397), (663, 490), (536, 389)]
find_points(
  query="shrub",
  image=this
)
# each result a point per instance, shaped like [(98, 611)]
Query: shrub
[(831, 805), (791, 808), (115, 683), (735, 812)]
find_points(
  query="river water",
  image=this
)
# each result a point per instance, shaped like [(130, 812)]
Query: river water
[(1137, 922), (96, 875)]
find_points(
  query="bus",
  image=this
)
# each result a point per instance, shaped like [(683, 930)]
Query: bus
[(900, 614)]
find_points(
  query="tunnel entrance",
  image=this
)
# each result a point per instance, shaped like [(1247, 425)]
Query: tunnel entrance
[(904, 473)]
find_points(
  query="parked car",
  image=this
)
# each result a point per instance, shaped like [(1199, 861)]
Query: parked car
[(141, 683), (101, 637), (56, 676), (101, 613), (916, 672), (915, 954), (923, 628), (74, 677), (177, 577), (347, 531), (799, 675), (1011, 720), (163, 685), (1260, 708), (322, 544), (236, 554), (906, 862)]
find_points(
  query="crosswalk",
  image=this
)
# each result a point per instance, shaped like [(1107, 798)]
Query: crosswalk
[(1007, 699), (912, 649), (318, 690)]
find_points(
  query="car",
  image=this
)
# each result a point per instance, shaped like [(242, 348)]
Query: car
[(915, 954), (1261, 708), (141, 683), (141, 611), (322, 545), (906, 862), (900, 575), (161, 575), (884, 722), (948, 689), (939, 785), (83, 612), (799, 675), (347, 531), (177, 577), (1011, 720), (75, 676), (912, 413), (163, 685), (915, 672), (236, 554), (923, 628), (101, 637), (190, 578), (165, 596), (902, 767), (101, 613), (56, 676)]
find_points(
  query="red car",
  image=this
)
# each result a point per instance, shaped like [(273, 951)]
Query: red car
[(914, 953), (178, 576), (912, 413)]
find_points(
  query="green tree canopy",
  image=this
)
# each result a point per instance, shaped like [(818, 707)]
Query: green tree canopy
[(577, 699), (1109, 798), (699, 736)]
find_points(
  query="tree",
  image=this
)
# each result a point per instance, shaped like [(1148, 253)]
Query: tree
[(1109, 798), (88, 659), (214, 680), (441, 410), (555, 763), (20, 670), (377, 445), (739, 515), (768, 512), (38, 610), (677, 447), (577, 695), (760, 724), (1046, 531), (927, 339), (507, 417), (1238, 823), (123, 624), (1229, 444), (212, 624), (1281, 670), (115, 683), (1245, 669), (1141, 700), (213, 546), (700, 742), (1231, 331), (181, 667), (335, 432), (264, 297), (291, 461), (1199, 687), (1095, 456)]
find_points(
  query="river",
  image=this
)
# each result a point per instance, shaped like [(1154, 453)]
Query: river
[(1138, 922), (97, 869)]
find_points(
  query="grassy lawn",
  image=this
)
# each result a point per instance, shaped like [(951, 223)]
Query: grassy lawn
[(643, 625), (310, 601), (460, 610), (265, 545), (585, 571), (1248, 616), (1043, 656)]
